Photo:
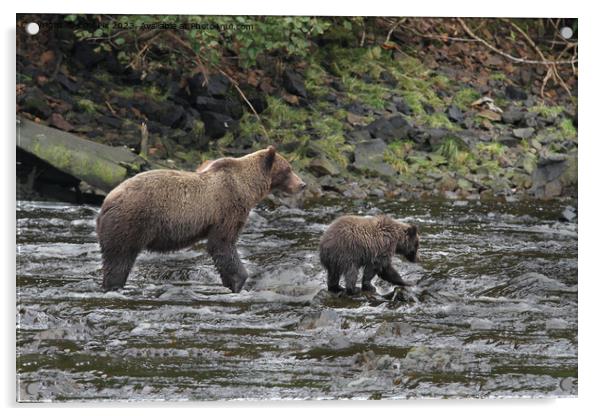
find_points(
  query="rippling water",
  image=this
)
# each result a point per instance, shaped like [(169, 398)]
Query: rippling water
[(495, 314)]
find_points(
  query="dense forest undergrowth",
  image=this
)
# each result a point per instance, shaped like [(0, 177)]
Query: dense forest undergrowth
[(382, 107)]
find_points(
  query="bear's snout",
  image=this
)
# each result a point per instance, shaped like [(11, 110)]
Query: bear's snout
[(295, 184)]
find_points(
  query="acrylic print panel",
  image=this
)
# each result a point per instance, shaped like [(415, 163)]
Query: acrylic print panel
[(465, 128)]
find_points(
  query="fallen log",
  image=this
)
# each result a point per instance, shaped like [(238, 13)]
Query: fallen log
[(101, 166)]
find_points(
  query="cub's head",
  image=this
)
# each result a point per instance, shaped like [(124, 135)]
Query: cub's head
[(408, 242), (282, 176)]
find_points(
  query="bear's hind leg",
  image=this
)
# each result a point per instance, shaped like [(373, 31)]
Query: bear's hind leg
[(116, 267), (350, 280), (369, 273), (332, 280)]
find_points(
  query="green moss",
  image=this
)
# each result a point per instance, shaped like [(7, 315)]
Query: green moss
[(547, 111), (198, 128), (327, 126), (395, 155), (464, 97), (438, 121), (87, 106), (155, 92), (125, 92), (373, 95), (498, 76), (315, 77), (448, 149), (334, 148), (568, 128)]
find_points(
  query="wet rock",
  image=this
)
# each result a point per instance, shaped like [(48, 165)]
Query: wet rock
[(556, 323), (322, 166), (324, 318), (513, 116), (34, 102), (394, 329), (455, 114), (523, 133), (369, 157), (481, 324), (293, 83), (57, 120), (569, 214), (354, 191), (390, 128), (515, 93), (217, 125)]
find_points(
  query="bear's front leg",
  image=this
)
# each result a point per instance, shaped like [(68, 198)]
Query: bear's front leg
[(351, 280), (389, 274), (369, 272), (227, 262)]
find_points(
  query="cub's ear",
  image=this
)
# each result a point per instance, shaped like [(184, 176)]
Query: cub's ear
[(270, 156), (412, 231)]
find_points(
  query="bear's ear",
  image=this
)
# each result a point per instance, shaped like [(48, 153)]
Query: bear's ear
[(412, 231), (270, 156)]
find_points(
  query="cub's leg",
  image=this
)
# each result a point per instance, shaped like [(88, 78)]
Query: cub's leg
[(350, 280), (369, 272)]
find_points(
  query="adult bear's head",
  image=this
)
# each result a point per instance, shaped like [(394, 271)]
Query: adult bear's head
[(282, 176)]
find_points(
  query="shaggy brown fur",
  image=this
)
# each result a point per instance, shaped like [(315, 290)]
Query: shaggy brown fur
[(353, 242), (167, 210)]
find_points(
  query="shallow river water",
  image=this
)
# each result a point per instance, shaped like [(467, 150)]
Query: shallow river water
[(495, 312)]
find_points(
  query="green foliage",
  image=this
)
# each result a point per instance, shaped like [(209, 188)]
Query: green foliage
[(395, 155), (464, 97), (439, 120), (334, 148), (86, 105), (567, 128), (547, 111), (210, 37)]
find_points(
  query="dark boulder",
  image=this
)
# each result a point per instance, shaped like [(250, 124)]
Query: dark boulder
[(88, 54), (216, 85), (455, 114), (515, 93), (230, 107), (513, 116), (293, 83), (509, 141), (217, 125), (34, 102), (390, 128)]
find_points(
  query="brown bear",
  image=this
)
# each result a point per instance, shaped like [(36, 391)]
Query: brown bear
[(167, 210), (353, 242)]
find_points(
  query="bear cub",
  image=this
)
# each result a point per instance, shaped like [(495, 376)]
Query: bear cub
[(352, 242)]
